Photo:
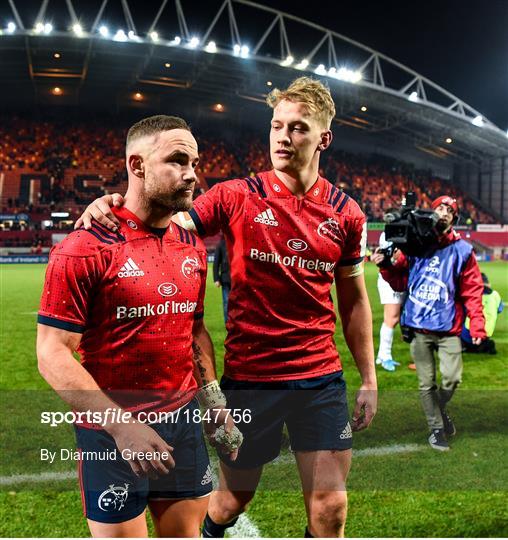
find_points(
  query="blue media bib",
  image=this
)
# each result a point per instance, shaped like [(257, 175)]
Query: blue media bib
[(430, 303)]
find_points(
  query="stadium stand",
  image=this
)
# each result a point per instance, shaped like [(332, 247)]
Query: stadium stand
[(61, 165)]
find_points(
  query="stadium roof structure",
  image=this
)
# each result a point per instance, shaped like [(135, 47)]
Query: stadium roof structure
[(86, 52)]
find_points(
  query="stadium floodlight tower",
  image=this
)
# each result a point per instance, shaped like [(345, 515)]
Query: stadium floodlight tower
[(288, 29), (400, 101)]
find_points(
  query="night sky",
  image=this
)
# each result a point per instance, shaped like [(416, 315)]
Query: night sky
[(462, 45)]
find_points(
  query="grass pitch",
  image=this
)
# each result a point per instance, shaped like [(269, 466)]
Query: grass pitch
[(412, 493)]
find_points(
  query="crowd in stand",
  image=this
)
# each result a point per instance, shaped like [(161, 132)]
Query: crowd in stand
[(63, 149), (378, 183), (59, 150)]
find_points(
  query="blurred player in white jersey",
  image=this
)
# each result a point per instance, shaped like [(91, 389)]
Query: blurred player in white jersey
[(392, 302)]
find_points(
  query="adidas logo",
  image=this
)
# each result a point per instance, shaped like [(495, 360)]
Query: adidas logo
[(267, 218), (207, 478), (347, 432), (130, 269)]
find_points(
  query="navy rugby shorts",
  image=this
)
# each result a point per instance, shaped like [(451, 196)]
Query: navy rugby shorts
[(112, 493), (314, 410)]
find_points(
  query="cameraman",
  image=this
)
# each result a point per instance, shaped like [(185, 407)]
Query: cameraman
[(440, 284)]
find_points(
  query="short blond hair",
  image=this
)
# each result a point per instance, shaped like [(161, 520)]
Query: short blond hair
[(313, 93)]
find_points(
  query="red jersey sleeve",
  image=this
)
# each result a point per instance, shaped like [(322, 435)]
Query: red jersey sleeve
[(215, 208), (69, 284), (203, 270), (353, 252), (397, 274), (470, 293)]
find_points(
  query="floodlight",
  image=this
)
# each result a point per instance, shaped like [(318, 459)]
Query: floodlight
[(478, 121), (413, 96), (236, 49), (48, 28), (11, 27), (154, 36), (176, 41), (103, 31), (356, 76), (303, 64), (320, 70), (346, 74), (39, 28), (211, 47), (77, 29), (288, 61), (194, 42), (244, 51), (120, 35)]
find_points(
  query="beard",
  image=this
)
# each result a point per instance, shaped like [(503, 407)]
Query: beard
[(180, 201), (175, 201)]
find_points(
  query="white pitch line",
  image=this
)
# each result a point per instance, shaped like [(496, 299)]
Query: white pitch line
[(286, 458), (364, 452), (244, 528), (28, 313), (388, 450), (37, 478)]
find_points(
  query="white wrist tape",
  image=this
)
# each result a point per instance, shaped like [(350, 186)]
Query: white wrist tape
[(210, 396)]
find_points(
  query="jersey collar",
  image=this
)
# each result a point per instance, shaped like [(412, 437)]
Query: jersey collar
[(135, 228), (317, 193)]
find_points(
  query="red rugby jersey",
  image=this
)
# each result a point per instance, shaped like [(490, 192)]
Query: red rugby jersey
[(134, 297), (285, 253)]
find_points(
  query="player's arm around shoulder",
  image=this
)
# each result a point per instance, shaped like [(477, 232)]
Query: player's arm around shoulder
[(184, 220), (214, 209), (99, 210)]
